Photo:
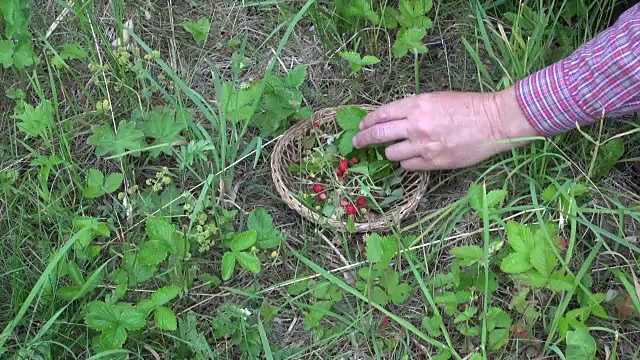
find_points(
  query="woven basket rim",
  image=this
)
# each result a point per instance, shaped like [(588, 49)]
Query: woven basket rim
[(394, 216)]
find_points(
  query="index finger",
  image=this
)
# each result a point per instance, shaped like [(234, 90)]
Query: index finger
[(396, 110)]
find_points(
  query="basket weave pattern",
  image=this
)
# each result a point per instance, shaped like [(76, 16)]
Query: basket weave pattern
[(289, 148)]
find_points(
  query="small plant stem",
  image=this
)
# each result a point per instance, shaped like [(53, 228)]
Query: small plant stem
[(416, 71)]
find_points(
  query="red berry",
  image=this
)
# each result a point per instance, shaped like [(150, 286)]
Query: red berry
[(355, 160), (563, 244), (317, 188), (316, 124), (384, 322), (344, 203), (361, 201), (351, 210), (339, 173), (343, 166), (322, 197)]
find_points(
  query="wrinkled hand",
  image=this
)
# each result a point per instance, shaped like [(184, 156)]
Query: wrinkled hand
[(445, 130)]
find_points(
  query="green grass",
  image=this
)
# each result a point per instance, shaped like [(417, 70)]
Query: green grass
[(312, 296)]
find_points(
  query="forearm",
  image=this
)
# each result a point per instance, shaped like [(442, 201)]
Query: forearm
[(600, 79)]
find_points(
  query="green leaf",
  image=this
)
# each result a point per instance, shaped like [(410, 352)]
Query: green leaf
[(165, 130), (381, 249), (248, 261), (543, 259), (68, 51), (498, 319), (378, 296), (97, 185), (6, 53), (607, 158), (297, 75), (515, 263), (161, 229), (349, 117), (351, 56), (146, 306), (107, 141), (228, 265), (73, 51), (580, 345), (432, 325), (498, 338), (95, 181), (261, 222), (244, 240), (468, 254), (114, 337), (495, 198), (165, 294), (152, 252), (369, 60), (409, 40), (165, 319), (532, 278), (400, 293), (74, 273), (100, 316), (113, 182), (560, 282), (519, 237), (23, 54), (345, 144), (199, 29), (466, 315), (36, 121)]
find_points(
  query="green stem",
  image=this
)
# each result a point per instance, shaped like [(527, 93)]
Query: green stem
[(416, 71)]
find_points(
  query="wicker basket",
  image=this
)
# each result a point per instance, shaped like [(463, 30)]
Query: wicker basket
[(288, 149)]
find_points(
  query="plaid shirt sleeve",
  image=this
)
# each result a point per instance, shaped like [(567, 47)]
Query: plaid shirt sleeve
[(601, 78)]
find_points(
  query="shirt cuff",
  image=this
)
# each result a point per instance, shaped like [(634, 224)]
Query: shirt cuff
[(547, 103)]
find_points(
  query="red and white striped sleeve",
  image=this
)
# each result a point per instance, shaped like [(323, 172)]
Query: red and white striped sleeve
[(600, 79)]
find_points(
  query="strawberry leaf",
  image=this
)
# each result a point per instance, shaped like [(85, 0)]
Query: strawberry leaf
[(152, 252), (244, 240), (165, 294), (515, 263), (345, 144), (349, 117), (228, 265), (165, 319), (409, 40), (248, 261)]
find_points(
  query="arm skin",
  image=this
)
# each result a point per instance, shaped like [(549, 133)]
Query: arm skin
[(449, 130)]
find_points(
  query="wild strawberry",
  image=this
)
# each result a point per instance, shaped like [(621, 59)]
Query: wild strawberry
[(316, 124), (351, 210), (343, 166), (322, 197), (384, 322), (340, 173), (344, 203), (563, 243), (355, 160), (317, 188), (361, 201)]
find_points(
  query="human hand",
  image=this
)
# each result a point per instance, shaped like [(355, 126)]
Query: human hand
[(445, 130)]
